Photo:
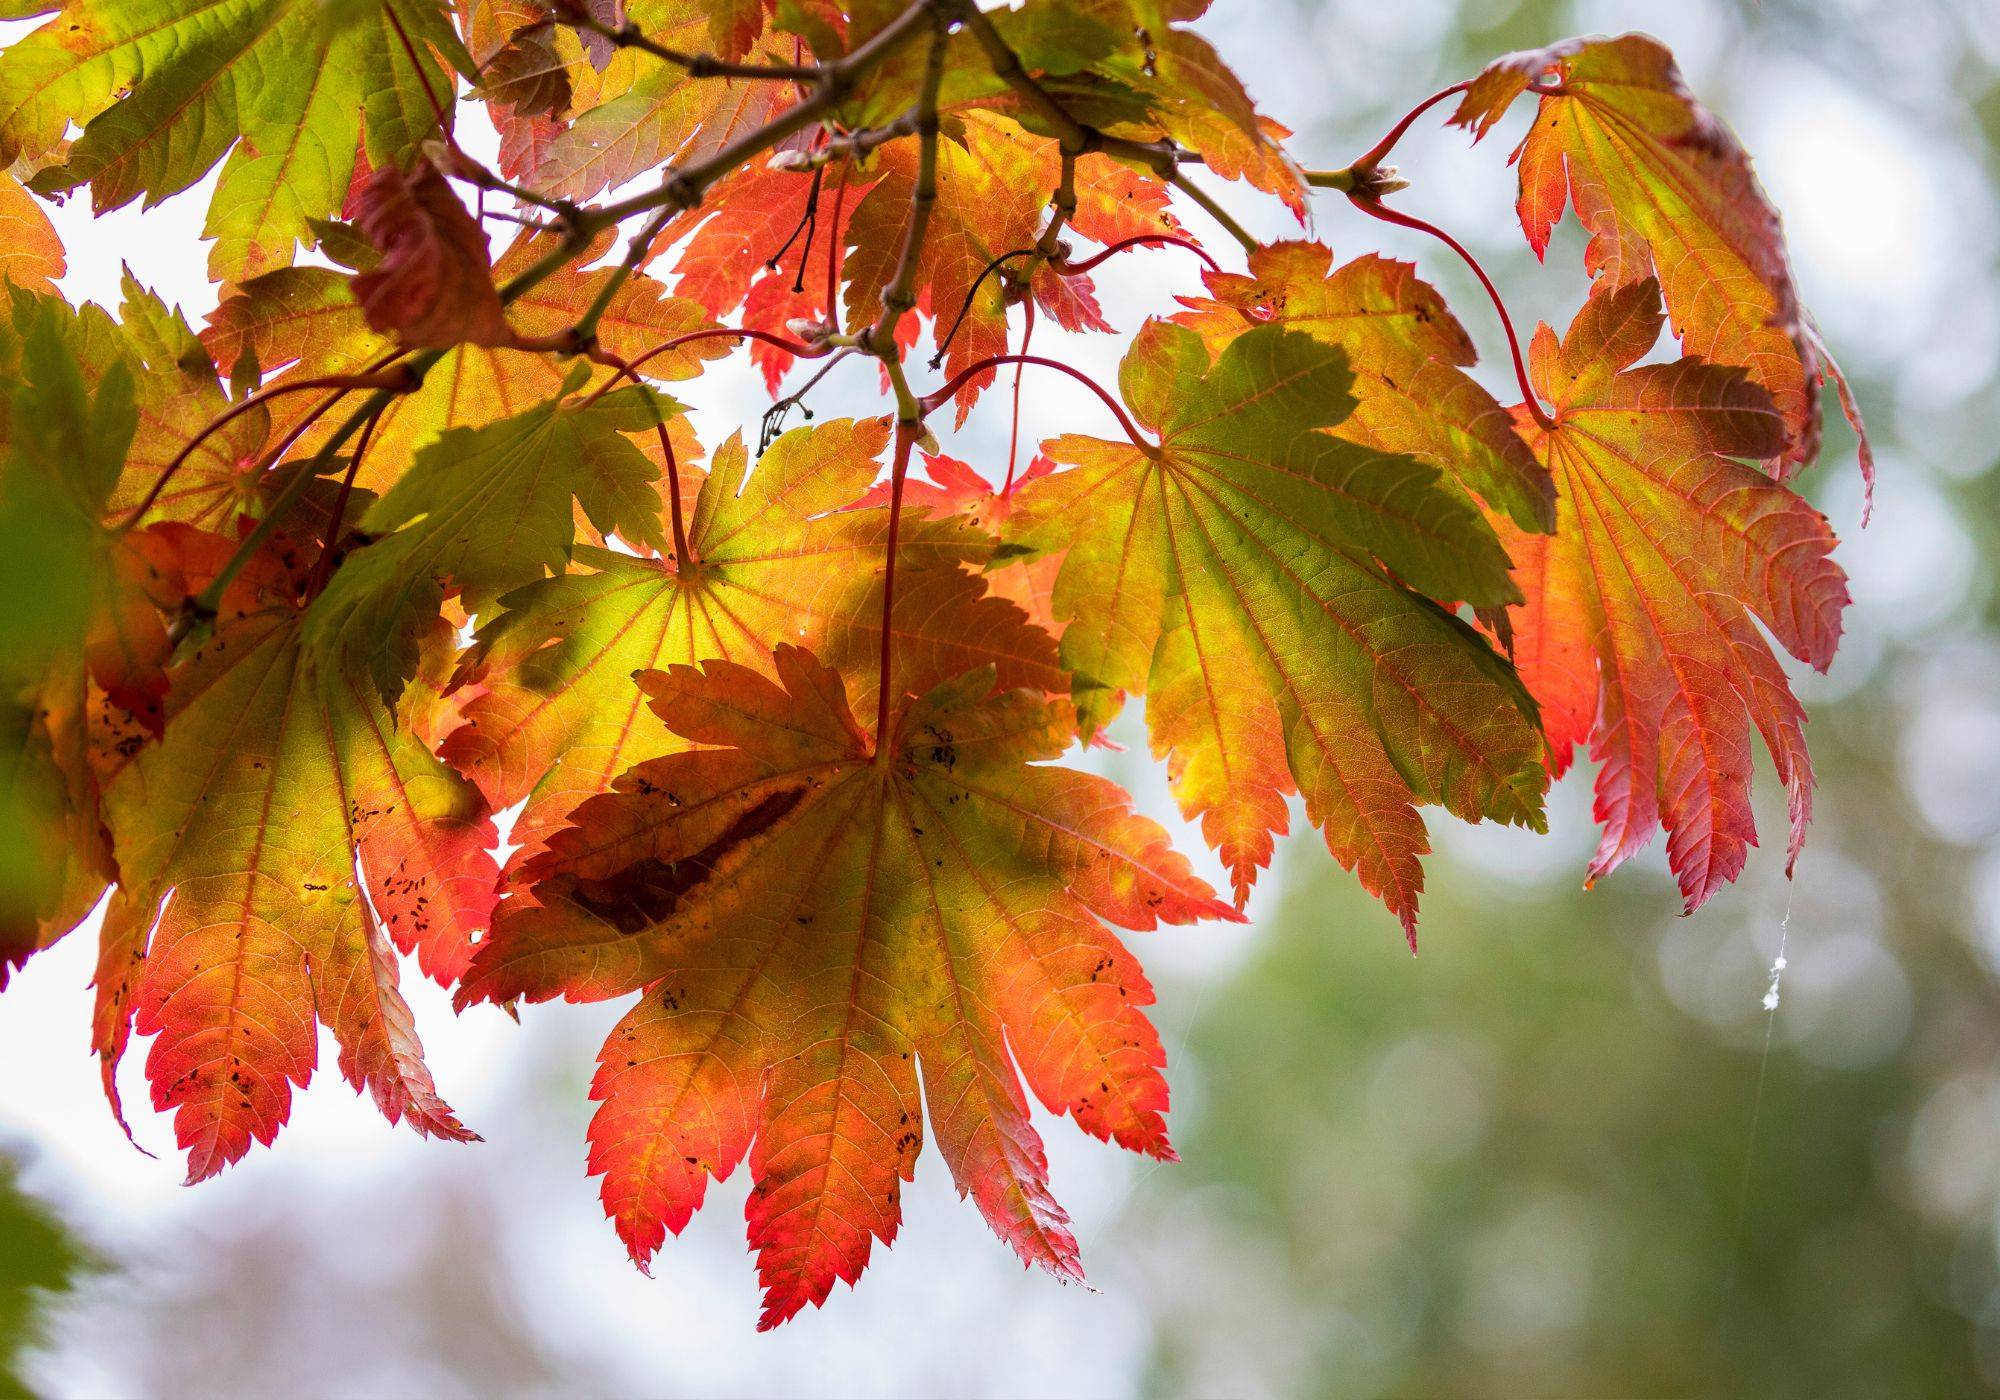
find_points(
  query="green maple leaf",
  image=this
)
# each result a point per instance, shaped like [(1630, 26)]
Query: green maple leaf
[(1275, 591), (487, 510), (555, 716), (288, 90), (64, 449)]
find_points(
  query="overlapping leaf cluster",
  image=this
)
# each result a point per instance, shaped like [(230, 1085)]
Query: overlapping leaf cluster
[(409, 535)]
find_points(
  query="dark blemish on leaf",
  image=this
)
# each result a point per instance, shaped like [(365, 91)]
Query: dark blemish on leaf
[(648, 891)]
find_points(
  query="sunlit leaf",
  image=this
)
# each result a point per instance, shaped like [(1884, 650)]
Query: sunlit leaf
[(1639, 631), (818, 933)]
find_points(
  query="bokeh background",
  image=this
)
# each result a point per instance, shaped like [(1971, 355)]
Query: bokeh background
[(1564, 1152)]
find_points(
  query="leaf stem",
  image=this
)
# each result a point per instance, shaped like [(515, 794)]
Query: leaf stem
[(934, 400), (972, 295), (345, 383), (1373, 156), (790, 347), (324, 564), (906, 437), (1062, 268), (1069, 269), (683, 556), (1214, 210), (1014, 418)]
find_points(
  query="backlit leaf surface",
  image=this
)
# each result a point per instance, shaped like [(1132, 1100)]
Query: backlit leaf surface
[(827, 942), (1264, 583), (1639, 632)]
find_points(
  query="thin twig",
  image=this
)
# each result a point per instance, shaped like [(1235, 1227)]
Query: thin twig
[(1214, 210)]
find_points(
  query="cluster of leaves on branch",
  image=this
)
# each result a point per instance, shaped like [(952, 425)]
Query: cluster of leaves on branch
[(409, 534)]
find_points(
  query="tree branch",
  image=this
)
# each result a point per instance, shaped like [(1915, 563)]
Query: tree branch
[(1077, 138), (900, 295), (698, 65)]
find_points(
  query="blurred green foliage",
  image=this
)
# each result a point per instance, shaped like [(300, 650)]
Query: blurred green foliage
[(38, 1257), (1515, 1167), (1556, 1155)]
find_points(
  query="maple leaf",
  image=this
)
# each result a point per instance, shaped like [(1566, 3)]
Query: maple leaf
[(955, 489), (272, 845), (840, 938), (1129, 64), (818, 931), (1264, 584), (82, 674), (738, 254), (305, 323), (1406, 351), (750, 221), (434, 283), (92, 628), (776, 558), (1666, 191), (163, 90), (176, 395), (735, 25), (31, 255), (1637, 630), (518, 54), (640, 113), (991, 182), (485, 510)]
